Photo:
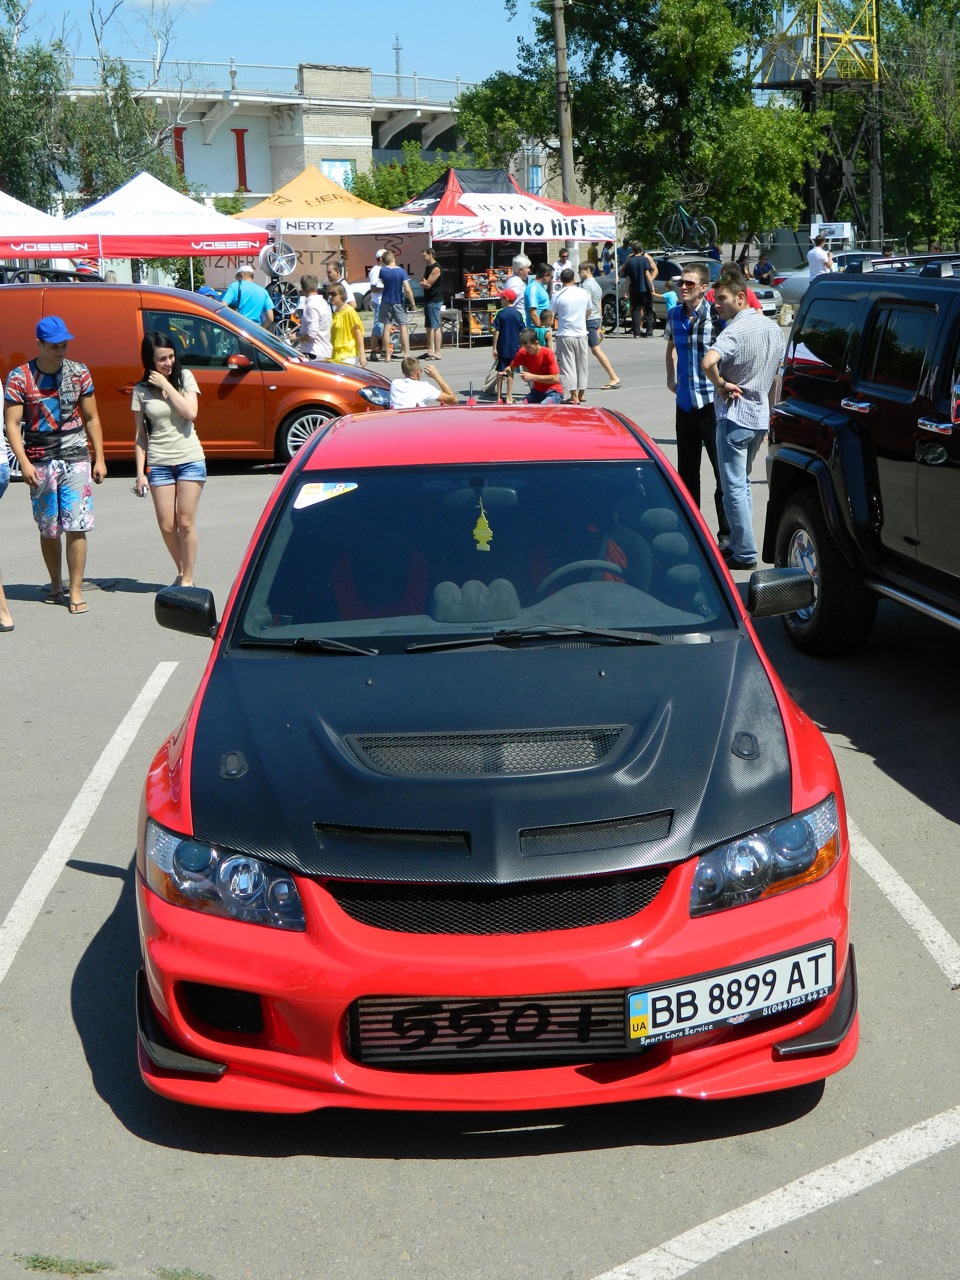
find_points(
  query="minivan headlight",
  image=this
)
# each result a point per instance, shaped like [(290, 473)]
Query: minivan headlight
[(221, 882), (784, 856), (377, 396)]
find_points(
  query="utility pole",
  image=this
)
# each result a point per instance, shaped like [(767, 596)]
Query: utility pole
[(564, 118)]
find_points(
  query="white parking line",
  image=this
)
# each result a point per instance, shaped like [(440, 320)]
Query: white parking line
[(45, 874), (798, 1199), (941, 945), (834, 1182)]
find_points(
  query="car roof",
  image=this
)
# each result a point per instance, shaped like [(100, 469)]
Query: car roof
[(454, 434)]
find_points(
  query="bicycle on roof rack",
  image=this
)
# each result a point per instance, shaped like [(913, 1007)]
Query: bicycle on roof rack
[(684, 230)]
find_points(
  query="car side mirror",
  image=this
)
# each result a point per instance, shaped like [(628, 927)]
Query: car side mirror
[(774, 592), (239, 363), (191, 610)]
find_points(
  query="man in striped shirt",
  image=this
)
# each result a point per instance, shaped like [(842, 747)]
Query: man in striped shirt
[(690, 330)]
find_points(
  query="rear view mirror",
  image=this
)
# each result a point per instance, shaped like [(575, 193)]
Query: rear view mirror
[(239, 363), (774, 592), (191, 610)]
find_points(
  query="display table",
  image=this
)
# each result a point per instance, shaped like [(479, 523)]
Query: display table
[(477, 316)]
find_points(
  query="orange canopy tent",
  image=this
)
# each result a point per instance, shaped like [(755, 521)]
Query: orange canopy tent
[(313, 205)]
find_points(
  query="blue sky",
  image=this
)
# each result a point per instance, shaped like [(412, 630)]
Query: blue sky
[(458, 38)]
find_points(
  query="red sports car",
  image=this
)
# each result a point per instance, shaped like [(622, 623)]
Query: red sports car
[(488, 798)]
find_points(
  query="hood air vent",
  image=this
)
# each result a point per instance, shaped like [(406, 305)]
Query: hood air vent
[(525, 751)]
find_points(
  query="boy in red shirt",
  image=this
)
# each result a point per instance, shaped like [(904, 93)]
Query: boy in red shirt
[(539, 370)]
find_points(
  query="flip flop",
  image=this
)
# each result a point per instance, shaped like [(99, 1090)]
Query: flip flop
[(77, 608), (612, 386), (5, 629), (54, 597)]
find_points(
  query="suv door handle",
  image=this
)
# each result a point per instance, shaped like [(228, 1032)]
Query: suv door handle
[(858, 406), (941, 428)]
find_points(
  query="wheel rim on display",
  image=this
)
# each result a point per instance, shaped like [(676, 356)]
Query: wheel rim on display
[(802, 554), (278, 259), (303, 427)]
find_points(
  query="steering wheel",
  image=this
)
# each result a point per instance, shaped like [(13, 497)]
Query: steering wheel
[(577, 566)]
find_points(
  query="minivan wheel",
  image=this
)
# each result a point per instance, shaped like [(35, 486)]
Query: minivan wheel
[(841, 617), (298, 429)]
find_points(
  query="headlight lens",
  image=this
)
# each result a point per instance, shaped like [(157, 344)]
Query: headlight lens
[(220, 882), (377, 396), (791, 853)]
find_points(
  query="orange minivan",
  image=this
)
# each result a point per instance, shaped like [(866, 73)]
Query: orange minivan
[(257, 398)]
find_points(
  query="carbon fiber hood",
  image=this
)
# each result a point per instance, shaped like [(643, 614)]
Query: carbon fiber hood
[(290, 761)]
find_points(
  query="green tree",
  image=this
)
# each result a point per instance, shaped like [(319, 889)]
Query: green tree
[(662, 106), (115, 135), (391, 185), (32, 102), (505, 113)]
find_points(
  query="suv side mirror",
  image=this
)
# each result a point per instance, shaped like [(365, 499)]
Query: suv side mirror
[(239, 363), (191, 610), (774, 592)]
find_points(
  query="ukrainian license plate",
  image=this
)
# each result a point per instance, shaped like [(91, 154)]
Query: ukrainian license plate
[(672, 1010)]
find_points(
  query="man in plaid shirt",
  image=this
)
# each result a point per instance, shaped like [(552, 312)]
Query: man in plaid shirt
[(741, 364), (690, 330)]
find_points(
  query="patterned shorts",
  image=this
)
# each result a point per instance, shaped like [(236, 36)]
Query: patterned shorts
[(62, 501)]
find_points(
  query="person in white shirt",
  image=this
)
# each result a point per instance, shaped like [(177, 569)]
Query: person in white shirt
[(376, 293), (561, 264), (519, 280), (571, 306), (594, 325), (315, 321), (335, 276), (410, 391), (820, 259)]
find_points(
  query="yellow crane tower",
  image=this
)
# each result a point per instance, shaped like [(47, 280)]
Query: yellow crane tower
[(822, 49)]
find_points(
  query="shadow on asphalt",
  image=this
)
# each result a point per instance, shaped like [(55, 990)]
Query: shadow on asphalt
[(897, 700), (102, 1001)]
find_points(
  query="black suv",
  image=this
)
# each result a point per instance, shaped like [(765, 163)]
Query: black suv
[(864, 462)]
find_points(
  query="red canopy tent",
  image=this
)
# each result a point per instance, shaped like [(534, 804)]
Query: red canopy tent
[(488, 204)]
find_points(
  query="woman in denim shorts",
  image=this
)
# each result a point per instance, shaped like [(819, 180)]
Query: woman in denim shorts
[(169, 455), (6, 621)]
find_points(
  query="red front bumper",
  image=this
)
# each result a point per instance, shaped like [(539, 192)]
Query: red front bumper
[(306, 983)]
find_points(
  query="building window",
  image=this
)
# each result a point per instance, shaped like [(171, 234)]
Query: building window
[(340, 171), (535, 178)]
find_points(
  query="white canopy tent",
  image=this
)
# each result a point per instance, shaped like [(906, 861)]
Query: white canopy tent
[(147, 219), (25, 232)]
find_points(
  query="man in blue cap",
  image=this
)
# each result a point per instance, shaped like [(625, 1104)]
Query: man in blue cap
[(49, 411)]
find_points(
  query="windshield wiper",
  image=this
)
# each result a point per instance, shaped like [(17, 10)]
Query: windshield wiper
[(519, 635), (306, 644)]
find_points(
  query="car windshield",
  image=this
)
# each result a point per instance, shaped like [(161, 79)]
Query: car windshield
[(384, 558)]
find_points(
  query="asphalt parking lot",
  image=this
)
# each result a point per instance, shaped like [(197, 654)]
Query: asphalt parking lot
[(858, 1177)]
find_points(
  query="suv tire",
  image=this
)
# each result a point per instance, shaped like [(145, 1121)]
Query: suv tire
[(841, 617)]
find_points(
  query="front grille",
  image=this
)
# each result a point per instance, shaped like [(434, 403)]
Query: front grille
[(224, 1008), (530, 907), (527, 751), (413, 1033)]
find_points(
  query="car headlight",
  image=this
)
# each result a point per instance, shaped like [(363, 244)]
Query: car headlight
[(221, 882), (784, 856), (376, 395)]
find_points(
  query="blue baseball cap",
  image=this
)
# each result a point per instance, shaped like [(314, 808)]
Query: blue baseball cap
[(52, 329), (208, 292)]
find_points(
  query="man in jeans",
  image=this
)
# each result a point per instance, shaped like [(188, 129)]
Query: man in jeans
[(431, 283), (49, 411), (690, 330), (741, 363)]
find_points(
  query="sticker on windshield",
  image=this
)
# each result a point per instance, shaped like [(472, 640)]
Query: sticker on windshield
[(316, 492)]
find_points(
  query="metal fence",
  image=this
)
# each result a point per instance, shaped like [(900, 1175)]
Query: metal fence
[(242, 77)]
